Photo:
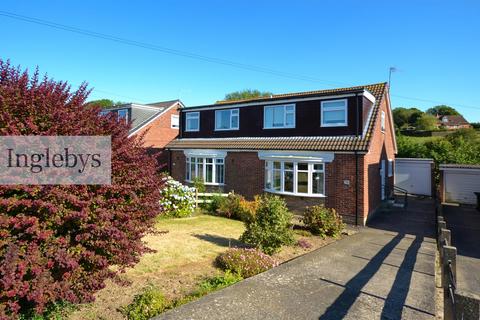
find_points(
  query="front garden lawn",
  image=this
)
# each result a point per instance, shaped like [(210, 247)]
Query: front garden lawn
[(185, 256)]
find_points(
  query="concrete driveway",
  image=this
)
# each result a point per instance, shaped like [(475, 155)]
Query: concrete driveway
[(385, 271), (464, 223)]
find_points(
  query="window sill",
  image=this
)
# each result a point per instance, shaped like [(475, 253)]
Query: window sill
[(233, 129), (208, 183), (334, 125), (268, 128), (306, 195)]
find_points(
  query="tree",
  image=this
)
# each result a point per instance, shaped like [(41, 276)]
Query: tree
[(475, 125), (104, 103), (405, 117), (246, 94), (58, 243), (426, 122), (443, 110)]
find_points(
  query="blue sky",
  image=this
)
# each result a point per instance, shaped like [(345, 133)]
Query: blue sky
[(434, 45)]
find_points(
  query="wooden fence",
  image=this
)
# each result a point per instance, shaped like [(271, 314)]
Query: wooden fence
[(203, 197)]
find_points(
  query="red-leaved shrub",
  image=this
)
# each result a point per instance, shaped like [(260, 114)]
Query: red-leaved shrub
[(58, 243)]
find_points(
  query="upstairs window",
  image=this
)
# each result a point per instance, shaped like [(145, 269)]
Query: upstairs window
[(334, 113), (276, 117), (123, 114), (227, 119), (175, 121), (192, 120), (382, 122)]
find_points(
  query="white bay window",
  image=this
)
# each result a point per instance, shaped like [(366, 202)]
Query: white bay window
[(295, 177), (204, 164)]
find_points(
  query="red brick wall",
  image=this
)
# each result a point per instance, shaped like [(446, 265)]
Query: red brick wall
[(244, 173), (178, 165), (340, 188), (381, 148), (159, 132)]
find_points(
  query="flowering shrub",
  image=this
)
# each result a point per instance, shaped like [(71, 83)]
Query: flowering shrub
[(323, 221), (58, 242), (270, 228), (177, 199), (245, 262)]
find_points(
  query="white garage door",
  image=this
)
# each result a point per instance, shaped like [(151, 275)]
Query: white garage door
[(414, 175), (460, 186)]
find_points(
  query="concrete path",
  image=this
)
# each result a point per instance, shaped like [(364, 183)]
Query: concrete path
[(385, 271), (464, 222)]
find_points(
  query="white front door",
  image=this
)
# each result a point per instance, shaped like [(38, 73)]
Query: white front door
[(382, 179)]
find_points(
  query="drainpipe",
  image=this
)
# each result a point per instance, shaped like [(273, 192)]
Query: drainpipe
[(356, 161)]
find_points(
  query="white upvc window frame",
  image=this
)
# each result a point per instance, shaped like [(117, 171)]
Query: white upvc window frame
[(269, 176), (126, 114), (390, 167), (193, 115), (284, 106), (382, 121), (190, 176), (232, 115), (177, 120), (324, 106)]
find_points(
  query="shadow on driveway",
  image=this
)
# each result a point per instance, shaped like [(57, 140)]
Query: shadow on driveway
[(464, 223), (385, 271)]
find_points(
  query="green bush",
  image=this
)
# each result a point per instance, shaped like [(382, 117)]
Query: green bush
[(245, 262), (230, 206), (323, 221), (177, 200), (233, 206), (217, 202), (270, 228), (146, 305), (54, 311), (199, 185), (218, 282)]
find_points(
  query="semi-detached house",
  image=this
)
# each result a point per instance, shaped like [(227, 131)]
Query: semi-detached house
[(334, 147)]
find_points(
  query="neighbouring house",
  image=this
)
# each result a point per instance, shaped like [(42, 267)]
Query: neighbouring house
[(334, 147), (453, 122), (159, 122)]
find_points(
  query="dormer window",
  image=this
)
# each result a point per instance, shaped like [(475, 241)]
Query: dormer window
[(122, 114), (334, 113), (192, 120), (277, 117), (226, 119)]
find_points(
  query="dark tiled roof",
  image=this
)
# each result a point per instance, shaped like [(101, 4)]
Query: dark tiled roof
[(319, 143), (140, 116), (163, 104)]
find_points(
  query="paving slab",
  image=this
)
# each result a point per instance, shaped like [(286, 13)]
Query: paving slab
[(378, 273)]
